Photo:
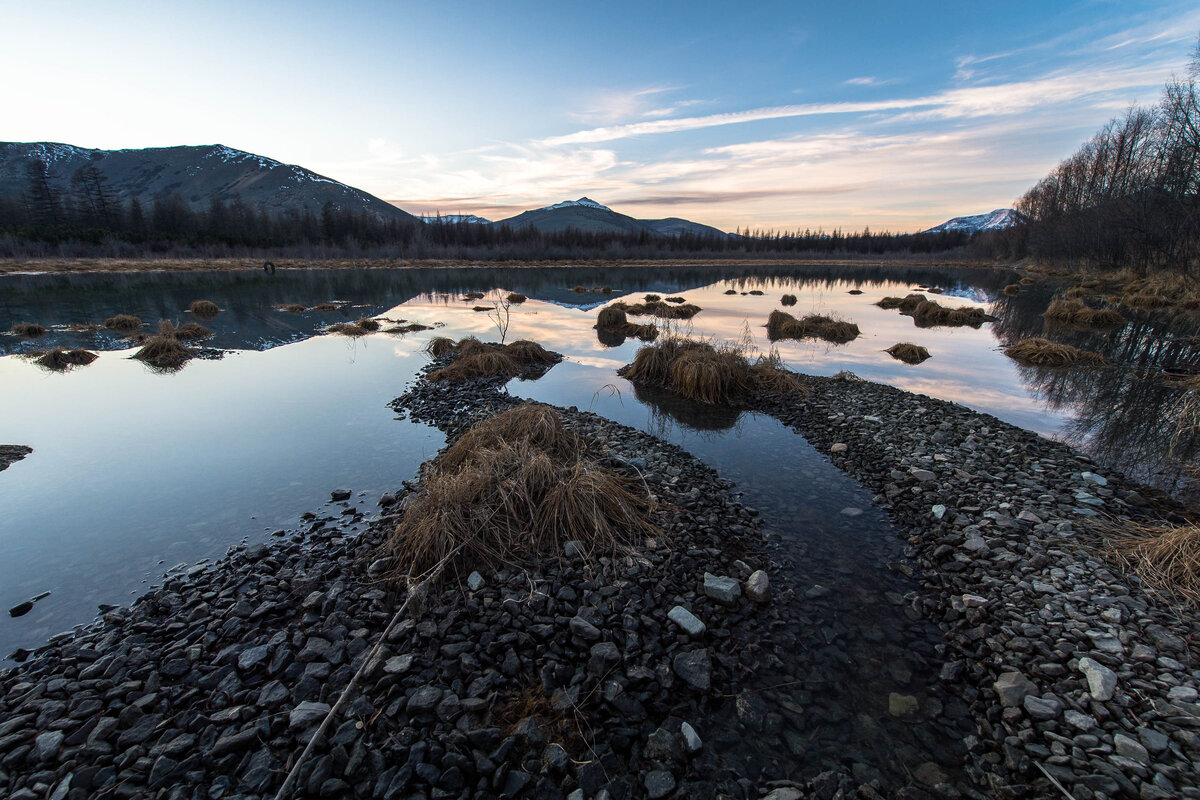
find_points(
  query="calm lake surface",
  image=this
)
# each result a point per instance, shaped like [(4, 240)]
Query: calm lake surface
[(135, 470)]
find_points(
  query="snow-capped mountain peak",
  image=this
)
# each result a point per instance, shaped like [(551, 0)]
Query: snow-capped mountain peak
[(996, 220), (454, 219), (583, 201)]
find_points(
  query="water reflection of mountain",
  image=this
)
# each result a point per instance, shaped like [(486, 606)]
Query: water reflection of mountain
[(251, 322), (1119, 414)]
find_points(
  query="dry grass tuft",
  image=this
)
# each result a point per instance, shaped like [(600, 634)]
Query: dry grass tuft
[(439, 346), (512, 490), (516, 297), (707, 374), (524, 351), (906, 304), (29, 330), (191, 331), (368, 324), (613, 327), (469, 296), (767, 374), (908, 352), (756, 292), (483, 308), (580, 289), (1165, 556), (788, 300), (675, 300), (59, 359), (294, 308), (1075, 312), (204, 309), (1045, 353), (1027, 281), (1013, 289), (351, 329), (782, 325), (477, 365), (855, 291), (123, 323), (653, 298), (409, 328), (731, 291), (85, 327), (927, 313), (476, 359), (324, 307), (163, 350)]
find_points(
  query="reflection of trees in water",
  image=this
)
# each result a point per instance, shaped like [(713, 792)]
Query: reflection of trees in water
[(667, 407), (1121, 414)]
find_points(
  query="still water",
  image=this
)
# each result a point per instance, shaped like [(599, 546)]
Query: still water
[(134, 470)]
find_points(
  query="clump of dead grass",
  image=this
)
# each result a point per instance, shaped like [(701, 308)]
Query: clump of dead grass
[(295, 308), (708, 374), (59, 359), (653, 298), (613, 325), (191, 331), (324, 307), (351, 329), (1165, 556), (1045, 353), (29, 330), (204, 309), (906, 304), (513, 490), (164, 349), (658, 308), (368, 324), (756, 292), (123, 323), (483, 308), (731, 291), (1074, 311), (788, 300), (908, 352), (527, 352), (782, 325), (516, 298), (675, 300), (469, 296), (84, 327), (475, 359), (1013, 289), (408, 328), (929, 313)]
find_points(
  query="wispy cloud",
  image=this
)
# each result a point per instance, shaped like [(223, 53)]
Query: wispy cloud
[(869, 80), (1006, 98)]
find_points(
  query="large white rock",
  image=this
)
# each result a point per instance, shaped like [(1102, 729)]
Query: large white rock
[(1102, 681), (758, 587)]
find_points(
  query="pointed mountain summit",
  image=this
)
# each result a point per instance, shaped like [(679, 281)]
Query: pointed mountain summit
[(196, 173), (996, 220)]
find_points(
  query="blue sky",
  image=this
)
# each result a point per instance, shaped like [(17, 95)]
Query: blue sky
[(895, 115)]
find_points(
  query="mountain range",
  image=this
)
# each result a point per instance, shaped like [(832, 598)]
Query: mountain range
[(199, 173)]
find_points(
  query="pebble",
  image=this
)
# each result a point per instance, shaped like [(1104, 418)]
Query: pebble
[(721, 588), (685, 619)]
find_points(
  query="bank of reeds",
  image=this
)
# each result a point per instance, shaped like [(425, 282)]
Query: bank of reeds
[(1039, 352), (204, 309), (1074, 311), (60, 359), (705, 373), (908, 352), (163, 350), (513, 490), (1165, 556), (782, 325), (516, 297), (28, 330), (788, 300), (614, 322)]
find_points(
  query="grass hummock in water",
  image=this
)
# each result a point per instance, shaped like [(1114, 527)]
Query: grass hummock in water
[(123, 323), (613, 321), (410, 327), (658, 308), (908, 352), (513, 490), (1075, 312), (29, 330), (163, 350), (516, 297), (204, 309), (928, 313), (1045, 353), (1012, 289), (782, 325), (190, 331), (294, 308), (708, 374), (788, 300), (471, 359), (60, 359)]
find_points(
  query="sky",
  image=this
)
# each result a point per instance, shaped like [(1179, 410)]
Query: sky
[(888, 115)]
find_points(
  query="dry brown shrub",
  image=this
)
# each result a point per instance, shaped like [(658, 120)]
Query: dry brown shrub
[(204, 309), (788, 300), (59, 359), (782, 325), (908, 352), (29, 330), (513, 490), (516, 297), (123, 323), (1165, 556), (1045, 353)]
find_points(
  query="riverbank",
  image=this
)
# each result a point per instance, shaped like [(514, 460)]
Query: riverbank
[(25, 266), (215, 680), (12, 453)]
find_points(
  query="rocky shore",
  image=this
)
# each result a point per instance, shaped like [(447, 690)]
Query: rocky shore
[(12, 453), (624, 677)]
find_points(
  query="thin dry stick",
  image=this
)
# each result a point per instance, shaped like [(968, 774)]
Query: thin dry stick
[(1057, 785), (418, 594)]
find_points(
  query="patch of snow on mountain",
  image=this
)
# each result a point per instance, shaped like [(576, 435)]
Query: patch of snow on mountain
[(454, 219), (996, 220), (583, 201), (51, 152)]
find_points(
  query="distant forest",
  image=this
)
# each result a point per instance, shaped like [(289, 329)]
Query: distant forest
[(1130, 197), (89, 220)]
